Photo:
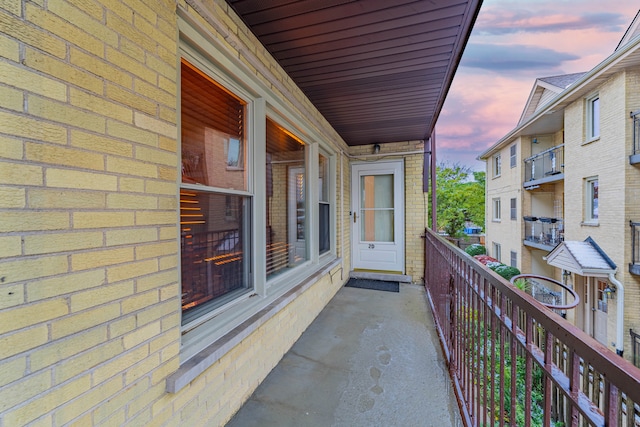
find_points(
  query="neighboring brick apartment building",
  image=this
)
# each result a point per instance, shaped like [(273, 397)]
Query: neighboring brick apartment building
[(159, 254), (563, 192)]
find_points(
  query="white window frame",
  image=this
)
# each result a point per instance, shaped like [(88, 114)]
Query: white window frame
[(211, 57), (591, 202), (513, 261), (513, 160), (497, 165), (497, 251), (593, 109), (513, 207), (496, 211)]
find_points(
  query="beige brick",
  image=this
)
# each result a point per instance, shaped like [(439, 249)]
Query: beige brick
[(141, 369), (131, 167), (156, 250), (103, 294), (84, 321), (131, 65), (167, 114), (131, 99), (68, 12), (131, 270), (168, 144), (172, 321), (12, 198), (156, 312), (87, 401), (167, 233), (168, 262), (12, 296), (62, 350), (130, 48), (155, 218), (62, 71), (135, 235), (101, 106), (157, 126), (168, 74), (64, 30), (100, 68), (121, 326), (139, 301), (31, 128), (12, 370), (65, 199), (23, 390), (54, 398), (169, 85), (94, 259), (167, 188), (100, 143), (123, 398), (13, 344), (65, 284), (171, 291), (21, 30), (93, 9), (156, 156), (20, 174), (66, 114), (131, 201), (65, 178), (12, 99), (70, 367), (168, 203), (102, 219), (33, 221), (130, 133), (62, 156), (120, 364), (152, 91), (10, 148), (165, 340), (140, 335), (28, 315), (61, 242), (131, 185), (9, 48)]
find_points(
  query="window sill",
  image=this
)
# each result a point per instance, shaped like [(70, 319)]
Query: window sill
[(590, 224), (199, 363), (589, 141), (496, 220)]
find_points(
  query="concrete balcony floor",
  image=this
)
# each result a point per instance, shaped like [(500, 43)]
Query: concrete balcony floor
[(371, 358)]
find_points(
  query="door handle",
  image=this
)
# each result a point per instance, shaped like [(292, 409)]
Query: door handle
[(354, 217)]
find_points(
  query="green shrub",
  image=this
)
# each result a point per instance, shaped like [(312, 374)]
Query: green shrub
[(476, 249), (506, 271)]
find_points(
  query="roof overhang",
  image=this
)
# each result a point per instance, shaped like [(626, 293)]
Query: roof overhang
[(550, 119), (378, 70), (583, 258)]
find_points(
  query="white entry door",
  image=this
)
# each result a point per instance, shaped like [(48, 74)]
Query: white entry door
[(377, 216)]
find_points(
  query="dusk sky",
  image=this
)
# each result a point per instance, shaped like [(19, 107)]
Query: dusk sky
[(513, 43)]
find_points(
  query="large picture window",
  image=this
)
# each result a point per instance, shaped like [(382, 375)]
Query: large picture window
[(593, 117), (324, 208), (215, 207), (591, 200)]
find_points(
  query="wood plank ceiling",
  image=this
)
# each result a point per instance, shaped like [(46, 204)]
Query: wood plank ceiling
[(378, 70)]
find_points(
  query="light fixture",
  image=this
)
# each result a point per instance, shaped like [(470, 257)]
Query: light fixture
[(376, 148), (609, 292)]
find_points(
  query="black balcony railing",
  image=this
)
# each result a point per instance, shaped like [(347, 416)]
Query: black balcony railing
[(543, 231), (514, 362), (635, 150), (634, 266), (546, 165)]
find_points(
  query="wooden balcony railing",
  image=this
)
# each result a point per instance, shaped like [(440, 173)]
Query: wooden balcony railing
[(514, 362)]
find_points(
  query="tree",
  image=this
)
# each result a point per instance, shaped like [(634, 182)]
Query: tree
[(459, 197)]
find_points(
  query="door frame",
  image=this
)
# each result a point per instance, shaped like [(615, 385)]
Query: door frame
[(395, 167)]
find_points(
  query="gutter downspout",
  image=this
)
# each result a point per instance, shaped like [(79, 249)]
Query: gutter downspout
[(620, 314)]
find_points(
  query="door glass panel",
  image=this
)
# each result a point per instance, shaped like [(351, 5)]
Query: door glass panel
[(376, 208)]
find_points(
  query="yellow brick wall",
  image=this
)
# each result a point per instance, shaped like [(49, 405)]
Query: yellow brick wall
[(90, 310)]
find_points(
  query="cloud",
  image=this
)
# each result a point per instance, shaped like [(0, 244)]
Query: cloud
[(509, 58), (499, 21)]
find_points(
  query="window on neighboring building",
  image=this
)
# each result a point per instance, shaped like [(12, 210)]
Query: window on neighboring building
[(514, 210), (514, 259), (215, 206), (497, 251), (324, 228), (512, 156), (591, 213), (593, 117), (497, 165), (496, 209)]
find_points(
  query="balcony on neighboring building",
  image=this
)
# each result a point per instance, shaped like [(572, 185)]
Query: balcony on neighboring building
[(546, 166), (634, 158), (634, 266), (543, 232)]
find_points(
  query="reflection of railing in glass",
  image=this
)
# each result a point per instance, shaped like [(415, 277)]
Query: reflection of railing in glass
[(545, 164)]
